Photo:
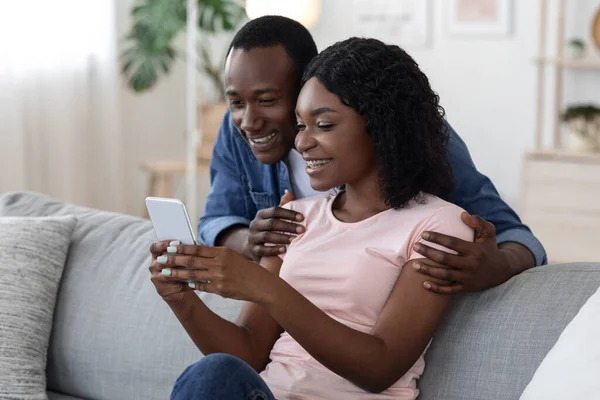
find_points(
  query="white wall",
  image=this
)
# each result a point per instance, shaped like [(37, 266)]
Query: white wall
[(153, 124), (487, 86)]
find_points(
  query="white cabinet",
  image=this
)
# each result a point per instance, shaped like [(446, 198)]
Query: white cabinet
[(561, 203)]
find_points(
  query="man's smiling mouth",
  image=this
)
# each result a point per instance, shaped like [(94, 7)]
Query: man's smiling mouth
[(264, 139)]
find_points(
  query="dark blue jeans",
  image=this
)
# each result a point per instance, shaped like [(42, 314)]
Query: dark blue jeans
[(220, 377)]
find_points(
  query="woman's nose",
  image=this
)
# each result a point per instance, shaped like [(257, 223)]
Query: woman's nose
[(304, 141)]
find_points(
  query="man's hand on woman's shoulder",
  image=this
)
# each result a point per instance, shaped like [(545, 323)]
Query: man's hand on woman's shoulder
[(478, 265), (273, 229)]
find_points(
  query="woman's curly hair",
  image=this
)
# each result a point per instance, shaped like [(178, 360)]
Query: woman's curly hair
[(402, 114)]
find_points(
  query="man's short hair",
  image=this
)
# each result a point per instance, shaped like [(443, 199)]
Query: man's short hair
[(273, 30)]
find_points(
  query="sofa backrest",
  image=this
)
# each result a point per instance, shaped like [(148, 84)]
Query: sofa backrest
[(114, 338), (492, 342)]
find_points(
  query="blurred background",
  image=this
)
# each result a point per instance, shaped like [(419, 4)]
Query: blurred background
[(94, 93)]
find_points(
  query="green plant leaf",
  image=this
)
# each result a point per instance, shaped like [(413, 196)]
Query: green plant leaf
[(587, 111), (149, 51)]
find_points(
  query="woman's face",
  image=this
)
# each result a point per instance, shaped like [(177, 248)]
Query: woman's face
[(332, 139)]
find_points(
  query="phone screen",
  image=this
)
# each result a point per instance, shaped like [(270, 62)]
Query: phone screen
[(170, 220)]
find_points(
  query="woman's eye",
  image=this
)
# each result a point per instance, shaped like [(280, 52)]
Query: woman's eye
[(300, 126), (324, 126), (267, 101)]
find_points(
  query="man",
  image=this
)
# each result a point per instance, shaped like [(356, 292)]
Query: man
[(255, 165)]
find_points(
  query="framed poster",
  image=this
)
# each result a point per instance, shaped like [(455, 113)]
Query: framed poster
[(400, 22), (479, 17)]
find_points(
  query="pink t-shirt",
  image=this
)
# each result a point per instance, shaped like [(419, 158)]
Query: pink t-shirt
[(348, 270)]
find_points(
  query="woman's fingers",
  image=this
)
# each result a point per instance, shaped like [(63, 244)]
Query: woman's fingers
[(188, 275), (185, 261), (267, 251), (195, 250), (174, 273), (157, 248), (204, 286)]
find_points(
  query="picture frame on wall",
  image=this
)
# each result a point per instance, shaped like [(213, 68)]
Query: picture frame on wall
[(479, 18), (406, 23)]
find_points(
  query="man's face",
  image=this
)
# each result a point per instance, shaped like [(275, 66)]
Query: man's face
[(260, 85)]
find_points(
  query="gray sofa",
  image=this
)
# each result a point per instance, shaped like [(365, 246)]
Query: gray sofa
[(113, 337)]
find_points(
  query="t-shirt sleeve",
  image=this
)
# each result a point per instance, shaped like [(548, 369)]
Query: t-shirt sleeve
[(447, 221)]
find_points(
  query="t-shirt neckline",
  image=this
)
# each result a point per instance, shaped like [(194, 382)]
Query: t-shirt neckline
[(350, 225)]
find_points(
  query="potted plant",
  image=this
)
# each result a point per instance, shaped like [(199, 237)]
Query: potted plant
[(583, 121), (575, 48), (150, 51)]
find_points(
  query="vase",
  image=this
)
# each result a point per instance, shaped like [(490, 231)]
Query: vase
[(584, 134), (574, 51)]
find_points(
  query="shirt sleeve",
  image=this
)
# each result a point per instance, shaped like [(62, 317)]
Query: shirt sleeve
[(446, 220), (475, 193), (225, 204)]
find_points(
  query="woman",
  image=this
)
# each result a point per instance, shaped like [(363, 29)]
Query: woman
[(343, 314)]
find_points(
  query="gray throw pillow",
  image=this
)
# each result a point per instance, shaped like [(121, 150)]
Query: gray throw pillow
[(32, 256)]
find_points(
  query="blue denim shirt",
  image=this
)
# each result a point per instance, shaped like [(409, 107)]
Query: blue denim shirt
[(241, 186)]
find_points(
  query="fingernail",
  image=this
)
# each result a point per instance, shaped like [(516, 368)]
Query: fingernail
[(299, 229), (174, 243), (291, 239), (172, 249), (191, 284), (162, 259), (282, 249), (426, 235), (418, 247), (166, 272), (286, 191), (417, 266), (427, 285), (299, 217)]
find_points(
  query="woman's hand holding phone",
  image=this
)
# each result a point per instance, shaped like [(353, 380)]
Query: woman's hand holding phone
[(216, 270), (168, 289)]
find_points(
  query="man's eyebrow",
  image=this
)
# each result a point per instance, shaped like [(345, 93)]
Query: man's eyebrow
[(266, 90), (321, 110), (231, 92)]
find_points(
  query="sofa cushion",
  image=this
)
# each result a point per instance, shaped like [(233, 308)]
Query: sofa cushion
[(492, 342), (59, 396), (570, 370), (114, 337), (32, 257)]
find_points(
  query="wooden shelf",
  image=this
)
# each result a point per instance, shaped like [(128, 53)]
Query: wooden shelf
[(564, 155), (559, 202), (575, 63), (560, 188)]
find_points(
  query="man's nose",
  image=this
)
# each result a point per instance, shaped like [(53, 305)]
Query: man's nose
[(251, 120)]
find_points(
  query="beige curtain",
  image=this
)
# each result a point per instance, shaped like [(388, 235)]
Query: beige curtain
[(59, 111)]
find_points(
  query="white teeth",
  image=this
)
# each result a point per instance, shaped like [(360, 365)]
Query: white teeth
[(263, 139), (316, 163)]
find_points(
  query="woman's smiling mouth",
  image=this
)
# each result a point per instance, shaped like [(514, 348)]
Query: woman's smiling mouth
[(313, 166)]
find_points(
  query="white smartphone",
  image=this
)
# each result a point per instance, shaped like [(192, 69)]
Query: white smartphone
[(170, 220)]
